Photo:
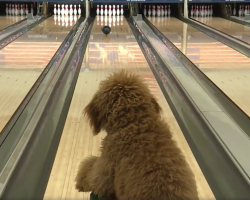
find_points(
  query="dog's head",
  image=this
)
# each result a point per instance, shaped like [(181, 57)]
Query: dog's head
[(121, 99)]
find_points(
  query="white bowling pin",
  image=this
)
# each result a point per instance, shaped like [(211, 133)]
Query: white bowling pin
[(97, 10), (58, 10), (101, 10), (166, 11), (10, 9), (27, 9), (192, 12), (70, 10), (7, 9), (169, 10), (114, 11), (75, 11), (66, 10), (153, 11), (79, 10), (122, 11), (118, 11), (55, 9), (162, 11), (16, 10), (149, 11), (13, 9), (106, 11), (62, 11), (145, 10), (110, 11)]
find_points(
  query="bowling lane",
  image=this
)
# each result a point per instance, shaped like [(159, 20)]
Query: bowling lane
[(233, 29), (8, 20), (227, 68), (104, 55), (22, 61)]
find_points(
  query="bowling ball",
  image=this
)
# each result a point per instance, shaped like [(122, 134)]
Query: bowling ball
[(106, 30)]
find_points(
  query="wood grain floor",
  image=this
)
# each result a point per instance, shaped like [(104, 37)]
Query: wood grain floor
[(22, 62), (225, 67), (77, 141)]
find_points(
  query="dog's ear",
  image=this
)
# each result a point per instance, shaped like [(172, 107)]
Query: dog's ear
[(93, 116), (158, 108)]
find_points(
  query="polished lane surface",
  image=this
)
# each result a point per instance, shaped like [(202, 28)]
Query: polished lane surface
[(231, 28), (104, 55), (22, 61), (9, 20), (227, 68)]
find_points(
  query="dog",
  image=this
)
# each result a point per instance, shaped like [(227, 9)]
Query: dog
[(139, 159)]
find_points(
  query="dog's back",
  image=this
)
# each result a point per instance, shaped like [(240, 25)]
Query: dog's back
[(150, 166)]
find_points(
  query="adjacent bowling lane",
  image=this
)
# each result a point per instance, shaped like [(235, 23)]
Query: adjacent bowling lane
[(226, 26), (227, 68), (104, 55), (9, 20), (22, 61)]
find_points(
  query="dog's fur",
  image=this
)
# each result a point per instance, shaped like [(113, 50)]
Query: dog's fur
[(139, 159)]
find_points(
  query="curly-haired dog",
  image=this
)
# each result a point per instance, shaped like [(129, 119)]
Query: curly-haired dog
[(139, 159)]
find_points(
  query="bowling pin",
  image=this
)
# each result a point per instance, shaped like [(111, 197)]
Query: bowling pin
[(10, 9), (75, 11), (62, 11), (192, 12), (71, 10), (162, 11), (106, 11), (18, 9), (55, 9), (66, 10), (122, 11), (166, 10), (27, 9), (13, 9), (32, 9), (118, 11), (79, 10), (153, 11), (110, 11), (145, 10), (101, 10), (97, 10), (7, 9), (169, 10), (114, 11), (58, 10), (149, 11)]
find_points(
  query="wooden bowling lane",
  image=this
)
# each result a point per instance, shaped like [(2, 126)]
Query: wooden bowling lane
[(226, 67), (229, 27), (77, 141), (9, 20), (22, 61)]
